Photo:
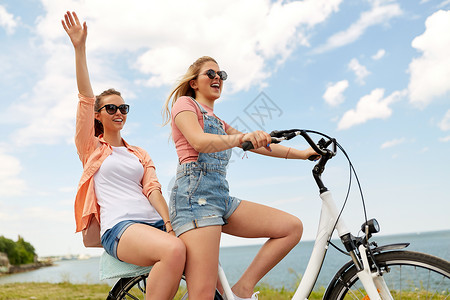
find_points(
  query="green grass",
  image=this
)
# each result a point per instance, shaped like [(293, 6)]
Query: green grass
[(53, 291), (65, 291), (266, 292)]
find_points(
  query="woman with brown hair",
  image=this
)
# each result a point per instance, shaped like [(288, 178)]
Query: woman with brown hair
[(119, 188)]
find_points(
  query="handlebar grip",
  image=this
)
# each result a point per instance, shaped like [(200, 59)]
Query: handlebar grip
[(313, 157), (247, 145)]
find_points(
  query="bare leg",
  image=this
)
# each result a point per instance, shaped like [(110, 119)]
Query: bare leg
[(144, 245), (252, 220), (202, 261)]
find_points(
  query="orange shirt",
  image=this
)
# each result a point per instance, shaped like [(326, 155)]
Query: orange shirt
[(92, 152)]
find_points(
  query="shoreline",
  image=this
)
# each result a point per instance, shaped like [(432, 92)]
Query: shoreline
[(25, 268)]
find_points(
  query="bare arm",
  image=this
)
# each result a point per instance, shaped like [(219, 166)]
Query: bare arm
[(203, 142), (85, 140), (279, 150), (151, 187), (78, 34), (159, 203)]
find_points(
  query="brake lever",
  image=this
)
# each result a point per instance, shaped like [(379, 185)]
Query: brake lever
[(323, 145)]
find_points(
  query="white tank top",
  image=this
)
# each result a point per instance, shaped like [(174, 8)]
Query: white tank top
[(118, 190)]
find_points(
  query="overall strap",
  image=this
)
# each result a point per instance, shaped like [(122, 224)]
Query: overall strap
[(204, 112)]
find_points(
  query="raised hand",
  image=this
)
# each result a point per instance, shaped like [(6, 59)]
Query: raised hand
[(76, 32)]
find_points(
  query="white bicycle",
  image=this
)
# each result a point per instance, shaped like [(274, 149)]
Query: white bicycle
[(373, 272)]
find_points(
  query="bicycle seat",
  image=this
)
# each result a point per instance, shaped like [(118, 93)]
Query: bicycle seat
[(111, 267)]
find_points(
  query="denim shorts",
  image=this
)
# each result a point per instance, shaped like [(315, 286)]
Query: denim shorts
[(200, 197), (110, 239)]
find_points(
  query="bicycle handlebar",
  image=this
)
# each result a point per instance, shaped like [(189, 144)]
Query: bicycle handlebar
[(280, 135)]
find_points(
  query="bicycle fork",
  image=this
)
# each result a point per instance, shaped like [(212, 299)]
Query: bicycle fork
[(373, 282)]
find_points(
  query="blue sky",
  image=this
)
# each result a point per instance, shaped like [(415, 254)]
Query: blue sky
[(374, 74)]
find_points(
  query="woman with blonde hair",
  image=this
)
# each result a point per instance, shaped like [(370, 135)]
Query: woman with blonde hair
[(119, 188), (200, 205)]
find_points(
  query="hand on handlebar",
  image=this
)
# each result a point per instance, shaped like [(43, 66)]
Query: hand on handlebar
[(256, 139), (311, 154), (315, 152)]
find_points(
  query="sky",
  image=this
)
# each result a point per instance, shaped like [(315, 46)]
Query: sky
[(374, 74)]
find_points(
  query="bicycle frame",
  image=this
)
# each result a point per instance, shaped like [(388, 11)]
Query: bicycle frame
[(328, 222), (328, 217)]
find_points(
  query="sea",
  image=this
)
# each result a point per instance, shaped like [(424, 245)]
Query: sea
[(234, 260)]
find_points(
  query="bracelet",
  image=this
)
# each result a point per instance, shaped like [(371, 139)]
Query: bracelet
[(167, 222), (288, 153), (170, 231)]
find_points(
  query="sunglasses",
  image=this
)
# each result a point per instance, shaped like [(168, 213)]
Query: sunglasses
[(212, 74), (112, 108)]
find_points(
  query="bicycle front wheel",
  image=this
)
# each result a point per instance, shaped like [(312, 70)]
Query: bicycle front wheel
[(408, 275)]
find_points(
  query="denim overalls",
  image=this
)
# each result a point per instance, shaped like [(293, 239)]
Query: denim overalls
[(200, 196)]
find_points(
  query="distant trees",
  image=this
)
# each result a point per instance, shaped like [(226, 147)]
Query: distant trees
[(20, 252)]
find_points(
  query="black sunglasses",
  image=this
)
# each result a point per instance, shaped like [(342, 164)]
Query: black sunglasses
[(212, 74), (112, 108)]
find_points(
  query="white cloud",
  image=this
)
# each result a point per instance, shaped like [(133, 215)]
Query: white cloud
[(48, 111), (7, 20), (430, 73), (31, 222), (10, 182), (68, 189), (380, 53), (445, 139), (248, 38), (242, 35), (380, 13), (334, 93), (445, 123), (40, 214), (392, 143), (424, 150), (359, 70), (444, 4), (371, 106)]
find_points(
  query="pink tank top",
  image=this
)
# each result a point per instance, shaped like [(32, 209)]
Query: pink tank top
[(186, 153)]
